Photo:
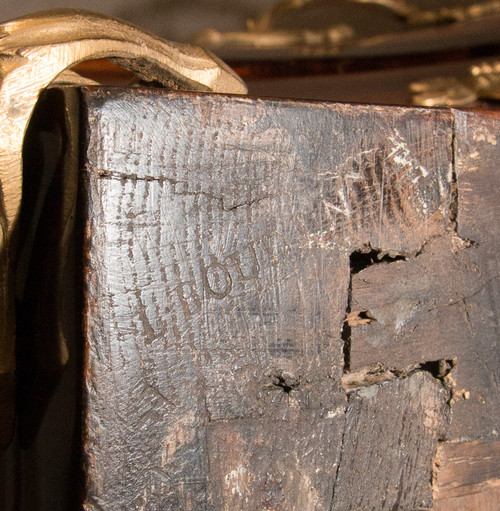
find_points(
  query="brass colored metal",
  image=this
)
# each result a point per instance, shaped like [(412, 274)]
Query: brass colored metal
[(482, 82), (262, 34), (454, 14), (34, 51), (266, 21), (411, 14), (486, 78), (305, 40), (442, 91)]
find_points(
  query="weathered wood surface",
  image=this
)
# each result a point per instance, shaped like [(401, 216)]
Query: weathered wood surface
[(467, 476), (220, 239), (391, 435), (444, 303)]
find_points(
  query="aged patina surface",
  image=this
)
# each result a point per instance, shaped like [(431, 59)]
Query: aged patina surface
[(242, 351), (34, 51)]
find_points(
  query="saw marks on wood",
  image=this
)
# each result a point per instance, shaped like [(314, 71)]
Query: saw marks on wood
[(390, 438), (219, 239)]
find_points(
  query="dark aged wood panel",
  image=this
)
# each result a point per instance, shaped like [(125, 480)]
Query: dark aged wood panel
[(275, 464), (376, 459), (444, 303), (219, 235), (477, 159), (467, 476)]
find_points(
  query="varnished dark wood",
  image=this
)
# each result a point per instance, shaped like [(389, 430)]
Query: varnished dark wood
[(220, 237), (288, 305)]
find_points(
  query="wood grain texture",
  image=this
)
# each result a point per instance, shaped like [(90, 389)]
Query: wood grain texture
[(390, 467), (468, 476), (444, 303), (219, 234), (477, 154)]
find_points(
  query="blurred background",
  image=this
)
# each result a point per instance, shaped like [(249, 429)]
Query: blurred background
[(180, 20), (402, 52), (370, 51), (172, 19)]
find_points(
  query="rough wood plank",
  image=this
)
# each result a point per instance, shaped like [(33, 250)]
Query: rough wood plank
[(467, 476), (390, 441), (217, 283), (275, 464), (444, 303), (477, 141)]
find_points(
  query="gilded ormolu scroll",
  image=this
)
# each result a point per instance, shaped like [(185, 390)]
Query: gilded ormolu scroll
[(34, 50)]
